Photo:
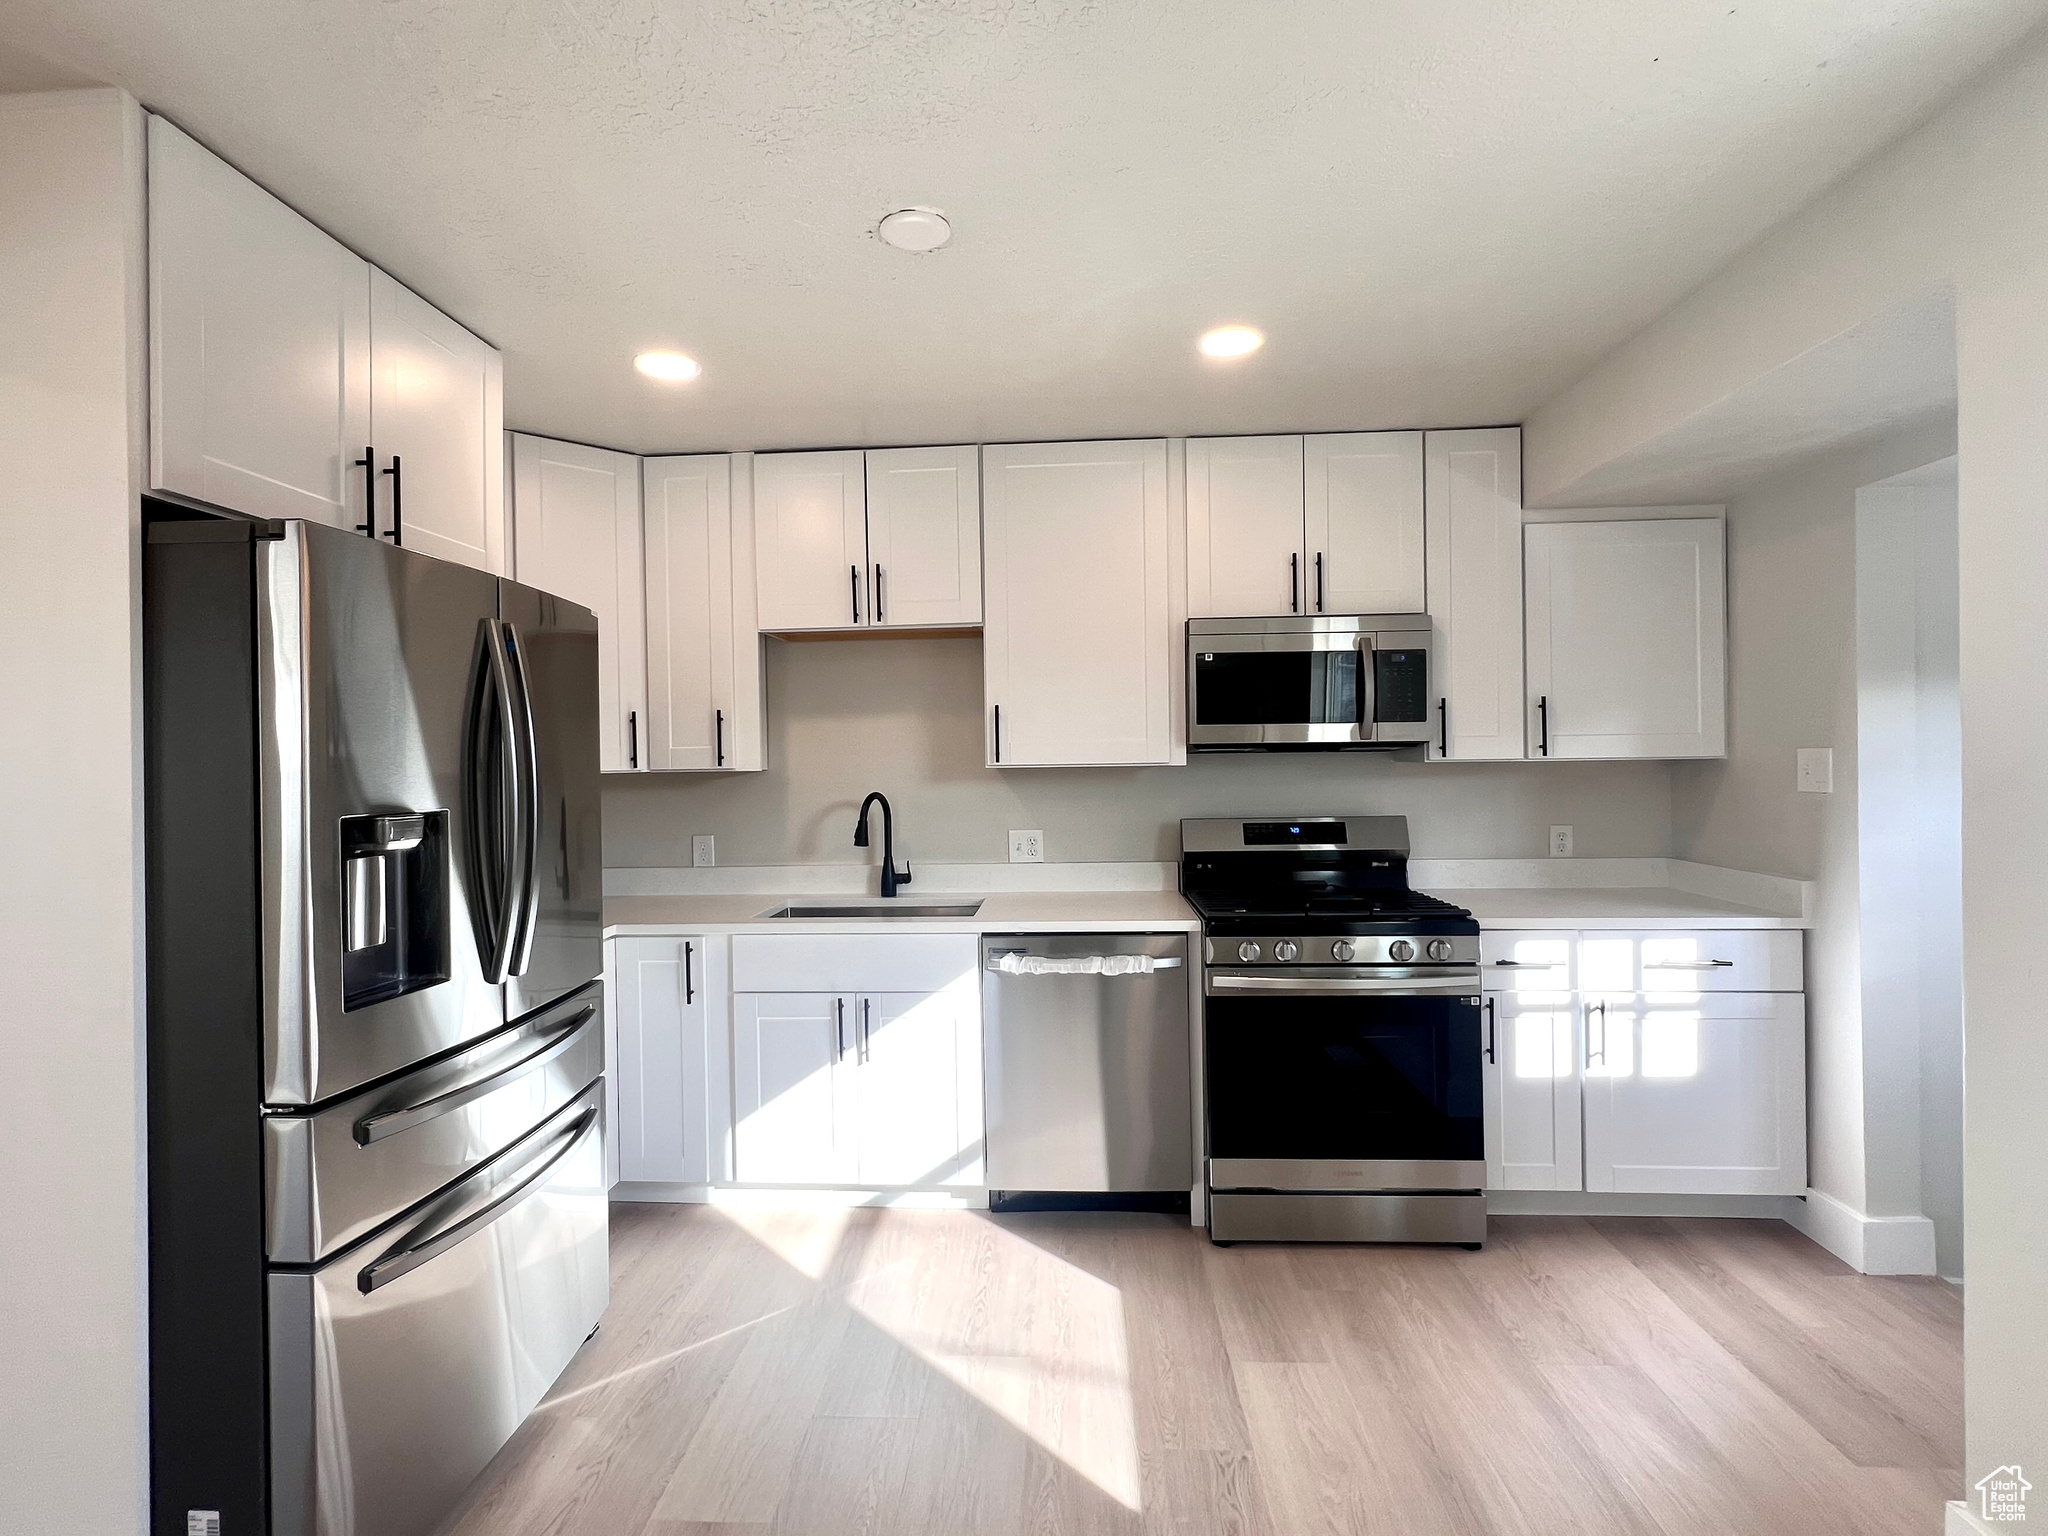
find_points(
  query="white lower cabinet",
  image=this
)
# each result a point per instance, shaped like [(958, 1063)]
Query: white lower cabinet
[(793, 1111), (857, 1060), (1532, 1091), (1702, 1094), (668, 1067), (1675, 1083)]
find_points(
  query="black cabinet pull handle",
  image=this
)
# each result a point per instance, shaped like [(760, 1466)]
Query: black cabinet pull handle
[(396, 532), (1294, 583), (1443, 727), (999, 733), (720, 735), (1319, 581), (1543, 725), (368, 465), (855, 579), (879, 610), (632, 738), (689, 982), (1489, 1032)]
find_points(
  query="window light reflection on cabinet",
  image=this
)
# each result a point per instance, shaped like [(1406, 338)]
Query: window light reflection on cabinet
[(1607, 965), (1671, 1044), (1541, 965), (1543, 1043)]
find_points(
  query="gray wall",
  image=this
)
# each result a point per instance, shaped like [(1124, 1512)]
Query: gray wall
[(1792, 684), (904, 717)]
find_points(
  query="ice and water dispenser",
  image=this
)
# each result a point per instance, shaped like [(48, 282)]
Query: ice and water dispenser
[(394, 905)]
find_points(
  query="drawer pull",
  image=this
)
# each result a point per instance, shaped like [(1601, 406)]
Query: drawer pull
[(1686, 965)]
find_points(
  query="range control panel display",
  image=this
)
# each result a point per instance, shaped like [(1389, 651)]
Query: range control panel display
[(1282, 834)]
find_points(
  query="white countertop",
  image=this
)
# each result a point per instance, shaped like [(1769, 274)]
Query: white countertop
[(1633, 906), (1003, 912), (1618, 907)]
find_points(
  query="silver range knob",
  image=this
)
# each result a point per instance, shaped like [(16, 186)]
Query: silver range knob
[(1439, 949), (1286, 949), (1401, 950), (1247, 951), (1342, 951)]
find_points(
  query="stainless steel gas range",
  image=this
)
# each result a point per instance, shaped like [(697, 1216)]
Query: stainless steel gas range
[(1342, 1038)]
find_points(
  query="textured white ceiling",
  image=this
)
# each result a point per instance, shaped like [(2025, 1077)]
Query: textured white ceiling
[(1439, 212)]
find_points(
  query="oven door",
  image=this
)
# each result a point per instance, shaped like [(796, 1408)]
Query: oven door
[(1306, 688), (1310, 1088)]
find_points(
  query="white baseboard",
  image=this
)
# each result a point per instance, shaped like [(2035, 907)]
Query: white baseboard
[(1873, 1245), (1962, 1521), (1572, 1202)]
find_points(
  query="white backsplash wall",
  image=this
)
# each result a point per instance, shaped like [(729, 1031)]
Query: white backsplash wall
[(904, 717)]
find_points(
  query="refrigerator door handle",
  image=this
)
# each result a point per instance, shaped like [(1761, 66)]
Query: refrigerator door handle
[(494, 764), (528, 813), (555, 1040), (423, 1245)]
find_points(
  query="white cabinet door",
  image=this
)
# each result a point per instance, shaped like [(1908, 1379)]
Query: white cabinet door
[(793, 1109), (919, 1121), (1532, 1090), (663, 1069), (1079, 636), (810, 529), (1696, 1095), (1245, 552), (437, 417), (259, 378), (687, 516), (924, 536), (1473, 495), (1363, 503), (1627, 633), (576, 521)]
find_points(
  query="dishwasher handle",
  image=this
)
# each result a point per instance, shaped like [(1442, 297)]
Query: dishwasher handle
[(1017, 962)]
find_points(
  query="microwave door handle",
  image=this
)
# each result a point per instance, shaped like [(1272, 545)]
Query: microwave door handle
[(1368, 689)]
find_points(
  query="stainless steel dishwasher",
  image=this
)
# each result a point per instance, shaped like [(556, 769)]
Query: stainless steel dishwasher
[(1085, 1056)]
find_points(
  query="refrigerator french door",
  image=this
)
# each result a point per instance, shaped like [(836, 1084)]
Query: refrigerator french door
[(377, 1208)]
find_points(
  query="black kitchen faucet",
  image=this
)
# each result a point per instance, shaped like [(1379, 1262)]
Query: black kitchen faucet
[(890, 879)]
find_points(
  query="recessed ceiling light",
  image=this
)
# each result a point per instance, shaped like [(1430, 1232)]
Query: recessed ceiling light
[(915, 229), (669, 367), (1231, 341)]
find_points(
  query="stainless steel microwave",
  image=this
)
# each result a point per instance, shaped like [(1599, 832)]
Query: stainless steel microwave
[(1305, 683)]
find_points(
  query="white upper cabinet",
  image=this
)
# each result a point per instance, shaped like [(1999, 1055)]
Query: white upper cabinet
[(1473, 493), (576, 533), (259, 345), (1363, 508), (1627, 638), (1245, 549), (437, 420), (703, 645), (924, 536), (810, 521), (1081, 629), (290, 378)]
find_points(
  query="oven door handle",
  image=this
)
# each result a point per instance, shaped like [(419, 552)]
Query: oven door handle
[(1465, 984)]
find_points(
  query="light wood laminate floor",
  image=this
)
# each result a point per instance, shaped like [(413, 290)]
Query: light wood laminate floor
[(917, 1373)]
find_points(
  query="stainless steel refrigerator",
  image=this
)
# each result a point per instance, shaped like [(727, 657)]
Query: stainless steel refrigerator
[(375, 1033)]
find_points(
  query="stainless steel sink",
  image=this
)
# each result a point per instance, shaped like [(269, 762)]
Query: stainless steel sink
[(879, 911)]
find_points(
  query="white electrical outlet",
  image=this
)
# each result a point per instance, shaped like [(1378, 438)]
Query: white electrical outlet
[(1560, 842), (704, 850), (1817, 770), (1027, 847)]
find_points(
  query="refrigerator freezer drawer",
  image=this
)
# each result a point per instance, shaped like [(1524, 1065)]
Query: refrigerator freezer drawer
[(399, 1369), (336, 1176)]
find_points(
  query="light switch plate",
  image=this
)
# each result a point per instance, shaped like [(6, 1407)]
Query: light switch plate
[(1027, 847), (703, 850), (1817, 770), (1560, 842)]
